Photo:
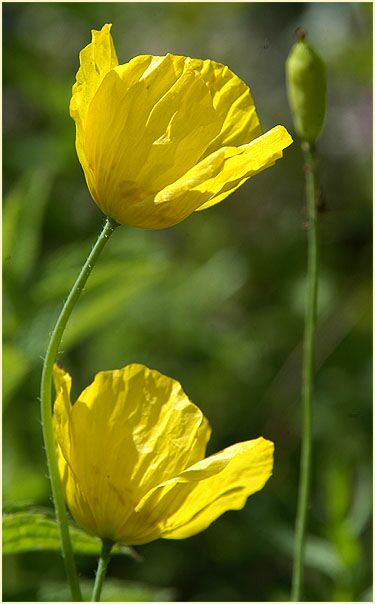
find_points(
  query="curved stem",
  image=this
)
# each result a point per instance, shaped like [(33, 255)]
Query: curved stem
[(104, 558), (46, 408), (308, 370)]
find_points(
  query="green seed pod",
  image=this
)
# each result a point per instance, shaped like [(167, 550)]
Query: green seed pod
[(306, 88)]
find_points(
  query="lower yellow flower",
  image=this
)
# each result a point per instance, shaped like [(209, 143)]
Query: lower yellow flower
[(131, 457)]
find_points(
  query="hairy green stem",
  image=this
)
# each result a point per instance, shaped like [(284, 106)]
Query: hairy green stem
[(310, 167), (46, 408), (104, 558)]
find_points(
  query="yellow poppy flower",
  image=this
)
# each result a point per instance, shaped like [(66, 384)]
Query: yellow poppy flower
[(161, 137), (131, 457)]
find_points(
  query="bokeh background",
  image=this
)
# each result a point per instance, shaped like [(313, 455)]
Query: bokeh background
[(217, 301)]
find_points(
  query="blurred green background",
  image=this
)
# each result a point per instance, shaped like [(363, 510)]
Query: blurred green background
[(217, 301)]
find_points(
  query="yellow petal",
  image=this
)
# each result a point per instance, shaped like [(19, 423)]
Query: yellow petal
[(208, 182), (190, 502), (96, 60), (232, 101), (253, 158), (62, 408), (217, 176), (128, 431), (77, 502), (145, 130)]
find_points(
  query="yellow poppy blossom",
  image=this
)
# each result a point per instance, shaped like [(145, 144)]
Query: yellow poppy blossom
[(131, 458), (161, 137)]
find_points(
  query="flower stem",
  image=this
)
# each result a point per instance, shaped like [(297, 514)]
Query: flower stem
[(46, 408), (310, 167), (104, 558)]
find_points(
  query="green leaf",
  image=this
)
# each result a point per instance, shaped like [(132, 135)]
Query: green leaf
[(22, 480), (15, 368), (113, 591), (22, 221), (367, 595), (96, 312), (37, 530), (320, 554), (361, 508)]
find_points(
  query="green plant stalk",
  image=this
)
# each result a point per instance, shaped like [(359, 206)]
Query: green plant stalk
[(310, 167), (46, 408), (104, 558)]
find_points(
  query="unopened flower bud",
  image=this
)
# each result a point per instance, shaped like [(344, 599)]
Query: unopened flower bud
[(306, 88)]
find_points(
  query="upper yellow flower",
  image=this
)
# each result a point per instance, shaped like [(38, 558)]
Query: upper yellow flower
[(161, 137), (131, 457)]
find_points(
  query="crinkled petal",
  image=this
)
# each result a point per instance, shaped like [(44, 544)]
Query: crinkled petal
[(129, 430), (144, 131), (232, 101), (214, 178), (190, 502), (96, 60), (62, 409), (209, 182), (253, 158), (77, 501)]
